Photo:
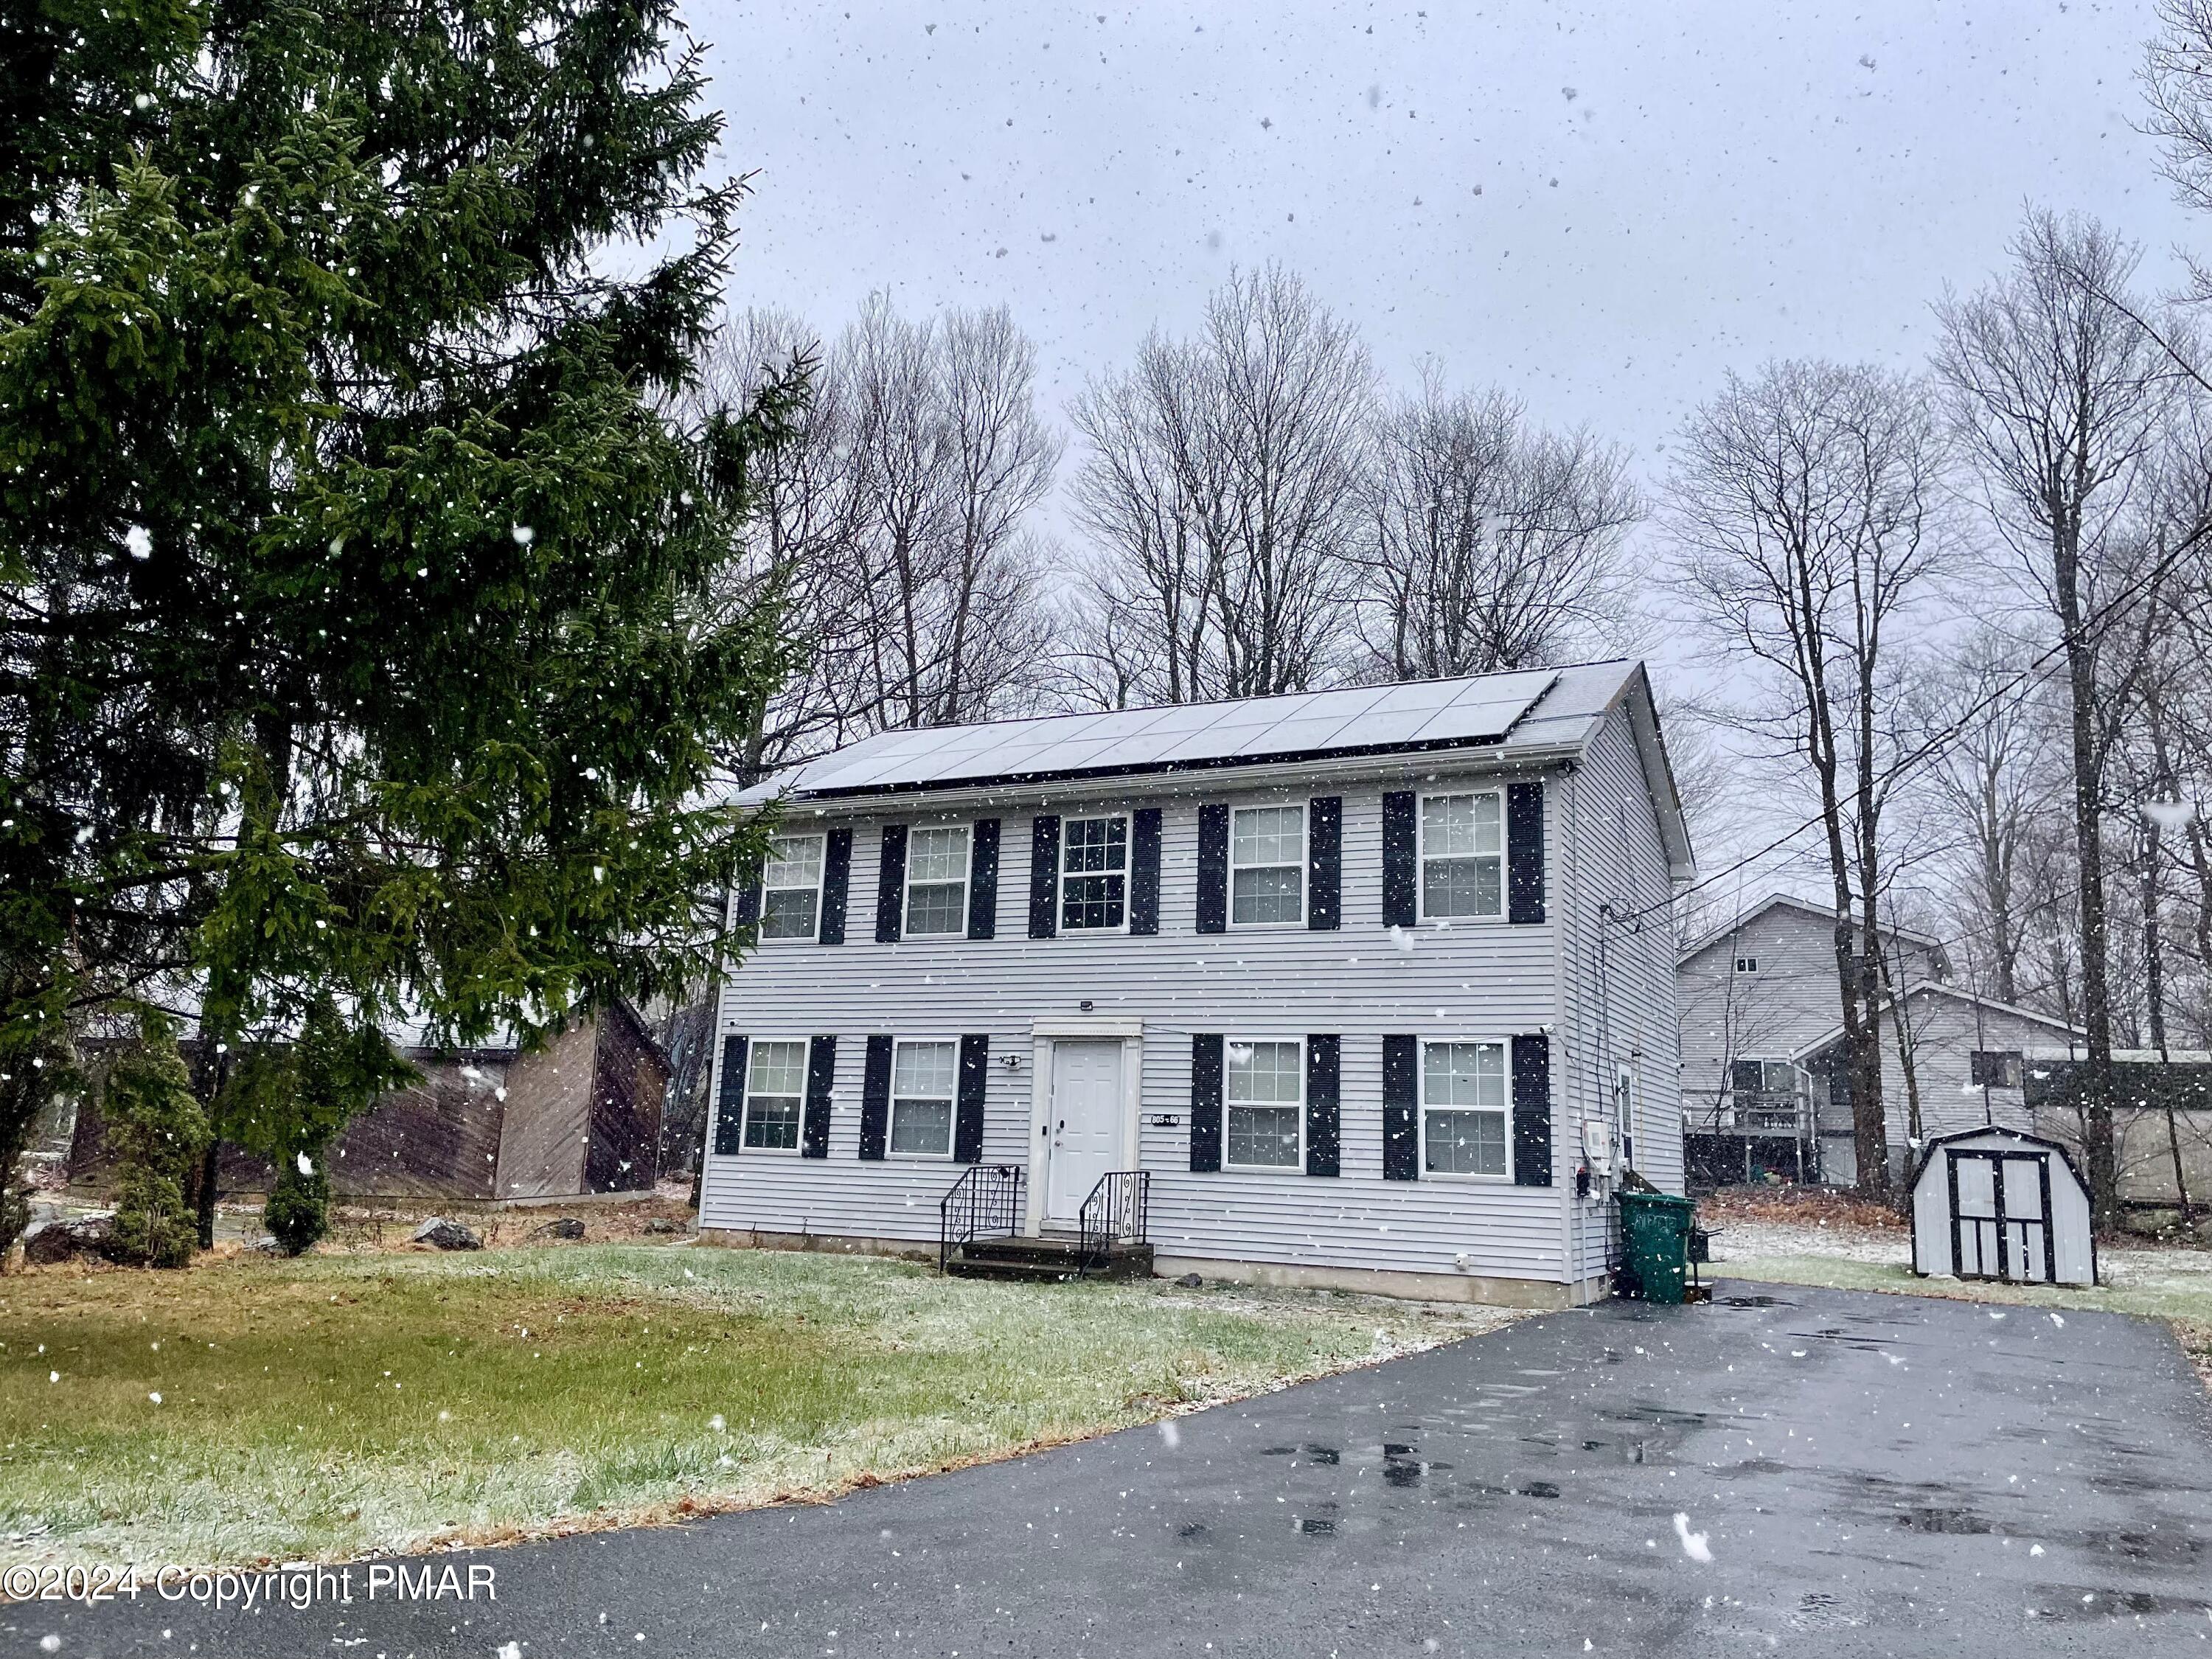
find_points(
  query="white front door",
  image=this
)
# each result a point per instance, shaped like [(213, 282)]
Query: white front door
[(1083, 1129)]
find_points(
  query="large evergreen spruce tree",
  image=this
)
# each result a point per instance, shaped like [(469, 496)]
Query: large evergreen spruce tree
[(355, 646)]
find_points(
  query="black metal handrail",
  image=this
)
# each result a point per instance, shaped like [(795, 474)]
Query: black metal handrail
[(986, 1202), (1117, 1212)]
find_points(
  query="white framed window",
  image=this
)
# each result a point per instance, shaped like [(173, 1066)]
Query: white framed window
[(925, 1082), (775, 1093), (937, 879), (1266, 865), (791, 888), (1465, 1128), (1746, 965), (1462, 843), (1094, 874), (1264, 1100)]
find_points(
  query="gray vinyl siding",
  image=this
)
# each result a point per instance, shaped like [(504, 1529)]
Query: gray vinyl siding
[(1791, 1000), (1945, 1030), (1473, 980), (1620, 973)]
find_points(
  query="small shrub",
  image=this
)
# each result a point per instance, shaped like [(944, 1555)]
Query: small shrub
[(298, 1212), (157, 1130)]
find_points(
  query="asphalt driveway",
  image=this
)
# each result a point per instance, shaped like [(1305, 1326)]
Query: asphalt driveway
[(1789, 1470)]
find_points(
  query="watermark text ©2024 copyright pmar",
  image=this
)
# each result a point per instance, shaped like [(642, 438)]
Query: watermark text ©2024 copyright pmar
[(297, 1587)]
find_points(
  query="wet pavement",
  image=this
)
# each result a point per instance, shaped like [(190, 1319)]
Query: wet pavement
[(1789, 1470)]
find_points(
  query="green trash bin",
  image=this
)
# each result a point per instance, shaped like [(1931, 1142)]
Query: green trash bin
[(1654, 1236)]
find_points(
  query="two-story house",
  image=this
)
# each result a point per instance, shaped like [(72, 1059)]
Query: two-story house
[(1368, 989)]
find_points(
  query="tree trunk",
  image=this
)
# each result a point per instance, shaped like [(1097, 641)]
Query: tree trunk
[(2098, 1150)]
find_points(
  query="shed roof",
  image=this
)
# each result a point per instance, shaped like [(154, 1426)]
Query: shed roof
[(1518, 715)]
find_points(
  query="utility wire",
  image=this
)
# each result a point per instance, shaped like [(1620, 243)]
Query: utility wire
[(1950, 734)]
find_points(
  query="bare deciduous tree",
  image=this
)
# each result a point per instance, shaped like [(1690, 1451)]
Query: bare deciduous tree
[(1486, 545), (894, 530), (2057, 392), (1987, 783), (1219, 493), (1802, 505)]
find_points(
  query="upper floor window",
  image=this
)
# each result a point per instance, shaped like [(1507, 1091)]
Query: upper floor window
[(775, 1081), (1746, 965), (924, 1080), (1997, 1068), (1268, 865), (1463, 854), (936, 880), (1463, 1109), (1265, 1102), (1094, 874), (791, 888)]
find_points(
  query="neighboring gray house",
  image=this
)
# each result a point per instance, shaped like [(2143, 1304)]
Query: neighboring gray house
[(1967, 1072), (1764, 1084), (1334, 988)]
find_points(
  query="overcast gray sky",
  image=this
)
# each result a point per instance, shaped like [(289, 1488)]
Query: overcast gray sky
[(1601, 207)]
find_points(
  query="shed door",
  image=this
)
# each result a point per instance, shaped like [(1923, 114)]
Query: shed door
[(2001, 1215)]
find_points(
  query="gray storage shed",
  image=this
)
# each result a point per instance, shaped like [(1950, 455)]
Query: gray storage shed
[(1999, 1203)]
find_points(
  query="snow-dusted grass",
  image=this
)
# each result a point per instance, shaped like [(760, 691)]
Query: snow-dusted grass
[(255, 1409)]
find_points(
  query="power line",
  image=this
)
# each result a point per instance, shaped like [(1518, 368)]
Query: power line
[(1951, 734)]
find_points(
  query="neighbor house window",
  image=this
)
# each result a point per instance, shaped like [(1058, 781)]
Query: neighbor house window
[(924, 1080), (1464, 1105), (1463, 854), (775, 1083), (1746, 965), (1094, 874), (1265, 1100), (791, 888), (1267, 864), (936, 880), (1997, 1068)]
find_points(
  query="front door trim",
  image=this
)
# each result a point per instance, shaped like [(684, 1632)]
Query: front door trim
[(1043, 1034)]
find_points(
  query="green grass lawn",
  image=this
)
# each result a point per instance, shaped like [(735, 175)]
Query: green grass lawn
[(2184, 1299), (255, 1410)]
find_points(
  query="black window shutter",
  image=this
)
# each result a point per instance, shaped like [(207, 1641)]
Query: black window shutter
[(730, 1102), (1044, 874), (1524, 852), (875, 1098), (745, 902), (821, 1073), (1399, 885), (837, 878), (1321, 1136), (1204, 1101), (1401, 1139), (983, 879), (1145, 870), (1532, 1110), (1324, 862), (967, 1125), (890, 885), (1213, 869)]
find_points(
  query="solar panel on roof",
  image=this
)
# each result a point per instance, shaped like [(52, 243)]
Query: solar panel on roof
[(1162, 738)]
